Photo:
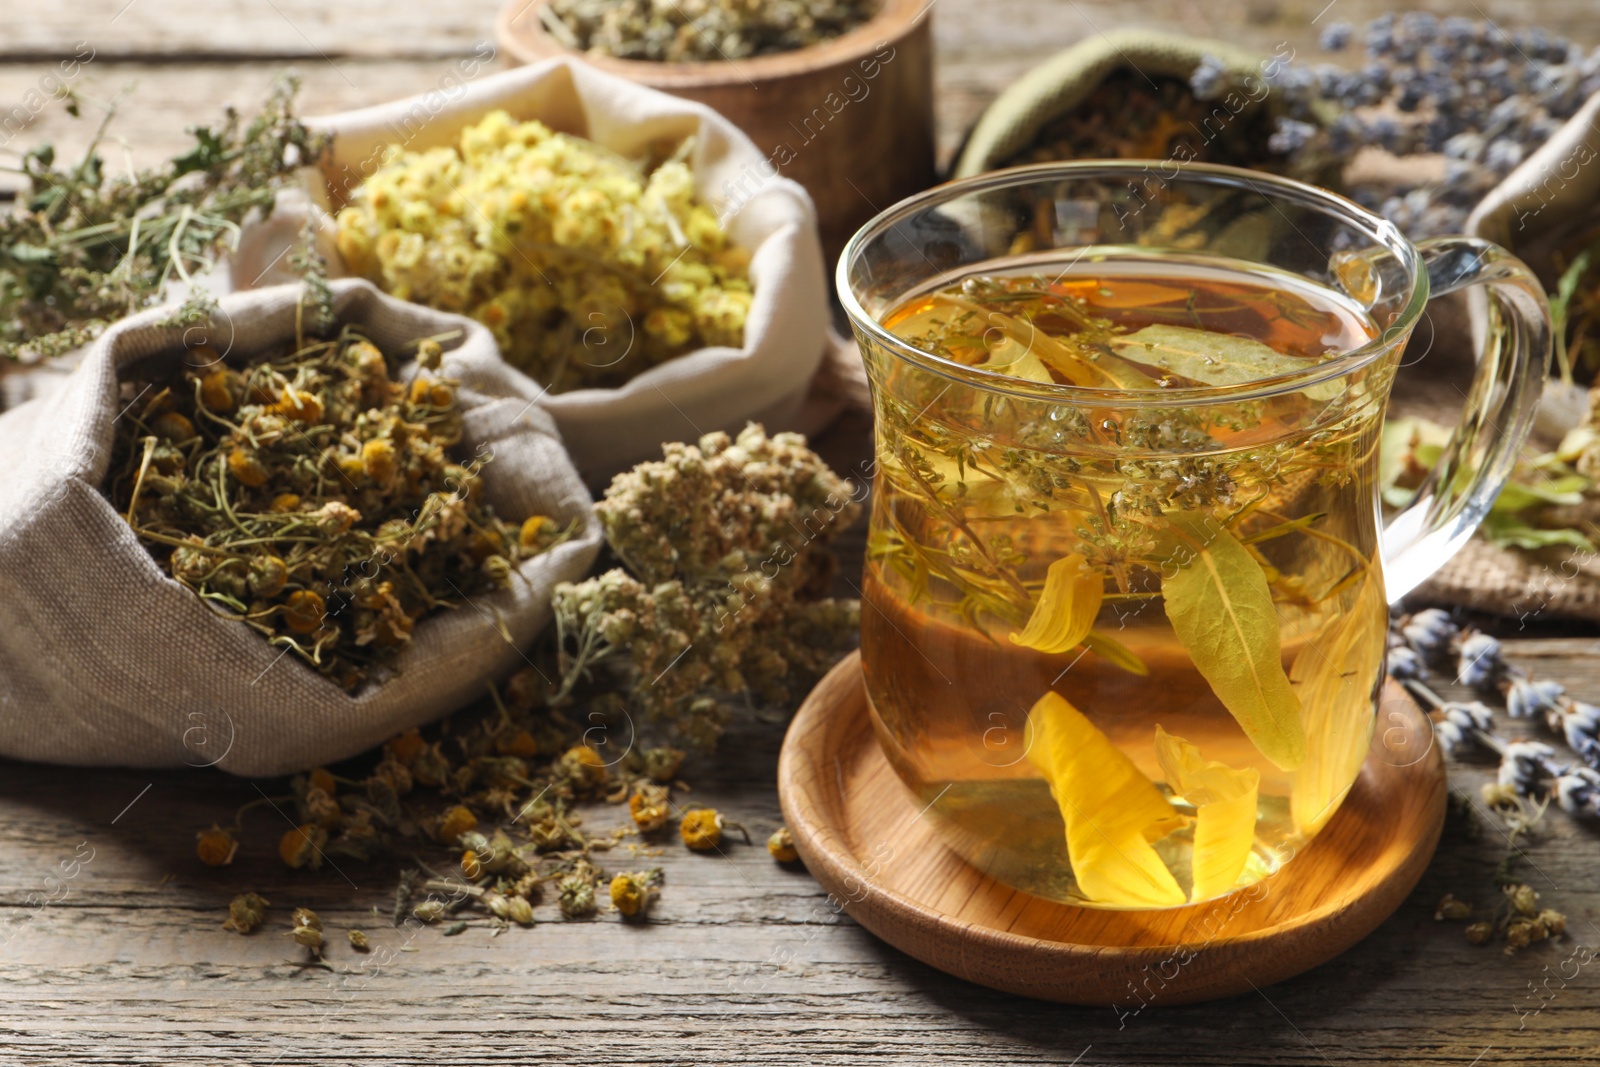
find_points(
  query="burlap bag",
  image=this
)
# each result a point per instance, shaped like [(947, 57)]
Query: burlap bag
[(606, 430), (1551, 198), (106, 660)]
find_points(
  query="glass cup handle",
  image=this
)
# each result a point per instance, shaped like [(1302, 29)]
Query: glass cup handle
[(1495, 419)]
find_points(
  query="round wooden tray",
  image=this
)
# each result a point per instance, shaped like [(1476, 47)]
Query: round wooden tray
[(863, 837)]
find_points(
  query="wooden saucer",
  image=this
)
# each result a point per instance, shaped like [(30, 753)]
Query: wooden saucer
[(863, 837)]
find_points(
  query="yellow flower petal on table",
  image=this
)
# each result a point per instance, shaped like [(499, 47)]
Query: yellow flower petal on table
[(1067, 607), (1109, 806), (1225, 812)]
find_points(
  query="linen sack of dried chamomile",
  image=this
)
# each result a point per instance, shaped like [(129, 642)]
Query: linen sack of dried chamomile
[(633, 253), (280, 548)]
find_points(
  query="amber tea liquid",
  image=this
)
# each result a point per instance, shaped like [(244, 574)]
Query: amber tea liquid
[(1221, 553)]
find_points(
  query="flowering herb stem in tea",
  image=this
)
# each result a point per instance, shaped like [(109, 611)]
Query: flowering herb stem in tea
[(697, 31), (1191, 584)]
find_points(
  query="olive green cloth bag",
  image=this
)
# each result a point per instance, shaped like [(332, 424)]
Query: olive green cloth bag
[(1012, 123)]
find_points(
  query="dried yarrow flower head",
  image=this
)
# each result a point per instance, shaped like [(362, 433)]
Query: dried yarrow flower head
[(588, 268), (311, 494), (700, 31), (726, 545)]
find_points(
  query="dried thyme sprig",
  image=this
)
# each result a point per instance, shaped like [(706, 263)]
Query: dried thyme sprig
[(87, 247)]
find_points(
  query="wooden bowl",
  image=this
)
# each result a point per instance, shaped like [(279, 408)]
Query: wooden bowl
[(864, 837), (850, 119)]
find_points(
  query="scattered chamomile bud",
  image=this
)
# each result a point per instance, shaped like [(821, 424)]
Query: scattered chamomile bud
[(1519, 934), (632, 893), (471, 866), (521, 744), (1524, 898), (216, 847), (308, 934), (246, 912), (322, 778), (781, 845), (456, 821), (1453, 909), (585, 766), (576, 896), (662, 764), (358, 941), (1479, 933), (302, 846), (429, 911), (511, 908), (701, 829), (1554, 923), (650, 807), (429, 354)]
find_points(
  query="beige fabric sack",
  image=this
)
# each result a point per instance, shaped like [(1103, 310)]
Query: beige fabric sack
[(607, 430), (106, 660)]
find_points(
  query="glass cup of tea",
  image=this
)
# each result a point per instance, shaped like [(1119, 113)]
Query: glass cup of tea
[(1128, 581)]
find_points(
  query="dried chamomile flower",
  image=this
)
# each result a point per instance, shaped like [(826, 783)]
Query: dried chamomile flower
[(632, 893), (781, 846), (359, 941), (584, 766), (216, 847), (246, 912), (662, 764), (324, 510), (302, 846), (1453, 909), (429, 911), (650, 806), (1523, 898), (701, 829), (307, 930), (1480, 933), (587, 267), (455, 822), (514, 909), (575, 891)]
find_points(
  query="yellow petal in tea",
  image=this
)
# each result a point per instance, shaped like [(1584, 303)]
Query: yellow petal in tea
[(1225, 812), (1221, 609), (1067, 607), (1111, 809), (1335, 673)]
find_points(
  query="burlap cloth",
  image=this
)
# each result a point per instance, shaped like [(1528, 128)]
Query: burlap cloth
[(607, 430), (106, 660)]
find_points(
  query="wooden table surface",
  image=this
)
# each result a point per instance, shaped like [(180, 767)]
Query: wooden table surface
[(744, 962)]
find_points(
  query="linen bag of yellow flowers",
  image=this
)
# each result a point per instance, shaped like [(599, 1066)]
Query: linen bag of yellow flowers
[(193, 569), (633, 253)]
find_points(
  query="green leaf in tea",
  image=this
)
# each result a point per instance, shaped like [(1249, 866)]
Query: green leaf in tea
[(1221, 609), (1207, 357)]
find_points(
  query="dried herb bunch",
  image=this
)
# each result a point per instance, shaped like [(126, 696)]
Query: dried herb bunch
[(696, 31), (86, 247), (588, 267), (725, 552), (311, 494)]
